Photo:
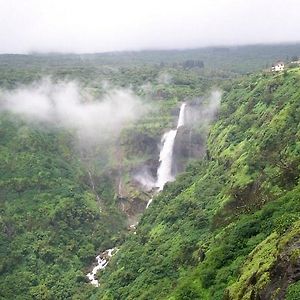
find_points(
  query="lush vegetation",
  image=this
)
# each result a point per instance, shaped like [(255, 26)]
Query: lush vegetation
[(227, 228), (223, 227), (51, 224), (221, 61)]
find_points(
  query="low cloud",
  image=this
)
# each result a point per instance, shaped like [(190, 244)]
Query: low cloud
[(66, 104), (202, 111), (212, 107), (164, 78)]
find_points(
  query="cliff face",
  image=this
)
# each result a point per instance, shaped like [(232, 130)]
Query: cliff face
[(188, 145), (137, 181)]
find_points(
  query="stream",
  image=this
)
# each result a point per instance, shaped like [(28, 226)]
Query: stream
[(102, 261)]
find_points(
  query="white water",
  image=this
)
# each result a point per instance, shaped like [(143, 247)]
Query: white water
[(165, 157), (164, 172), (149, 202), (181, 119), (102, 261)]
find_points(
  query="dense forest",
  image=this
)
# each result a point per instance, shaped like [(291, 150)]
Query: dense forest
[(226, 228)]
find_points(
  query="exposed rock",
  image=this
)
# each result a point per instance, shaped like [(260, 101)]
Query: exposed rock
[(133, 208), (201, 255), (285, 271), (140, 143), (269, 269), (188, 144)]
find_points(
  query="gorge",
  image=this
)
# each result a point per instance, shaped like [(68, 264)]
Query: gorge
[(164, 175)]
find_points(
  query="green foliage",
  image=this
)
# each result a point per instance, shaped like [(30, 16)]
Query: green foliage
[(223, 223), (188, 291), (255, 270), (293, 291), (218, 225), (51, 225)]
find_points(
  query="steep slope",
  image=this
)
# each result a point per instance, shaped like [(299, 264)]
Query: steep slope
[(51, 225), (227, 228)]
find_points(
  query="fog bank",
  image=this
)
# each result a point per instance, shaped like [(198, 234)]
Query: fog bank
[(99, 26), (65, 104)]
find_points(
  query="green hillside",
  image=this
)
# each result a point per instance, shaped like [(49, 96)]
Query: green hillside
[(51, 224), (227, 228)]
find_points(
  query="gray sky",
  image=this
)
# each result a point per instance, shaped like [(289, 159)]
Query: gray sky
[(114, 25)]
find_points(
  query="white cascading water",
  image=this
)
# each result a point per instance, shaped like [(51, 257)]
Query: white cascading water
[(102, 261), (181, 118), (164, 172)]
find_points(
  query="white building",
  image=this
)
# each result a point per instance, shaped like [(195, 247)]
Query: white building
[(278, 67), (295, 62)]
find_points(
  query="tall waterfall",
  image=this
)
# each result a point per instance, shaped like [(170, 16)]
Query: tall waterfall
[(164, 172)]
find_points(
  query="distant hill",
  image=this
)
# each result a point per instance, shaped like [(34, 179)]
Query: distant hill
[(239, 59)]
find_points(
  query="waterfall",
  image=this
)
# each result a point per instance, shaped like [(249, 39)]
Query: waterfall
[(165, 157), (164, 172), (164, 175), (181, 117)]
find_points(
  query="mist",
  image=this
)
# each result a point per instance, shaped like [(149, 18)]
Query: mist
[(198, 113), (164, 78), (101, 26), (144, 177), (65, 104), (209, 111), (202, 111)]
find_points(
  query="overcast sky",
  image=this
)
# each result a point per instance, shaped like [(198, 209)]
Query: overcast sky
[(114, 25)]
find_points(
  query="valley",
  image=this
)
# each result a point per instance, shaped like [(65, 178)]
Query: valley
[(181, 179)]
